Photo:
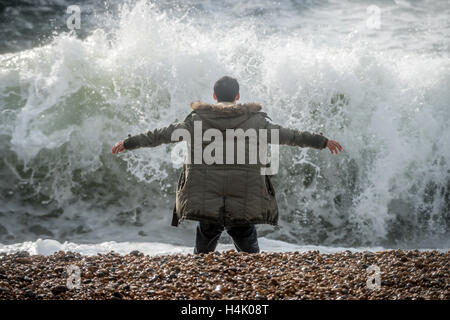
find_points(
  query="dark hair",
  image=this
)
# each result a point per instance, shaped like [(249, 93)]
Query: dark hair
[(226, 89)]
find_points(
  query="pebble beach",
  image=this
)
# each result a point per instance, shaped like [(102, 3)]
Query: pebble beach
[(227, 275)]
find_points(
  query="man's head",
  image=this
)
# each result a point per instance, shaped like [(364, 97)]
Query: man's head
[(226, 89)]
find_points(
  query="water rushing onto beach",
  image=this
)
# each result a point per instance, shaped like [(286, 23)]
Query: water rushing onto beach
[(383, 93)]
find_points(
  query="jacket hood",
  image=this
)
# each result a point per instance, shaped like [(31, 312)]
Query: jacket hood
[(225, 115)]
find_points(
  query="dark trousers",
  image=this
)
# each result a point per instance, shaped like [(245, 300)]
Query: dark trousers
[(208, 234)]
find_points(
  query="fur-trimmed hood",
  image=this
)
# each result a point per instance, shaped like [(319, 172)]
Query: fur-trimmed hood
[(225, 115), (228, 107)]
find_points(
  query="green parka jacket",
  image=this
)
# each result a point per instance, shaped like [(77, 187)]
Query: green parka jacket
[(223, 193)]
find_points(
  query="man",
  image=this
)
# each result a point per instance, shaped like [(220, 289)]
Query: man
[(226, 194)]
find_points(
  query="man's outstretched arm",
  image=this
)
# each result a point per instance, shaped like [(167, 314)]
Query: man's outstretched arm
[(293, 137), (151, 138)]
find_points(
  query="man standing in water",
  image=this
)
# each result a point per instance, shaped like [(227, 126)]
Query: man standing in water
[(225, 193)]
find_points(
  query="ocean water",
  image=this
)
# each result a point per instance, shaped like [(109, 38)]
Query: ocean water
[(49, 247), (374, 75)]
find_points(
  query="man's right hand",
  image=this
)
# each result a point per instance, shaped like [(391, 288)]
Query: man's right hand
[(118, 147), (334, 146)]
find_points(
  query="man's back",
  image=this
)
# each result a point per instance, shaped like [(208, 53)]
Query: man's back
[(224, 185)]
